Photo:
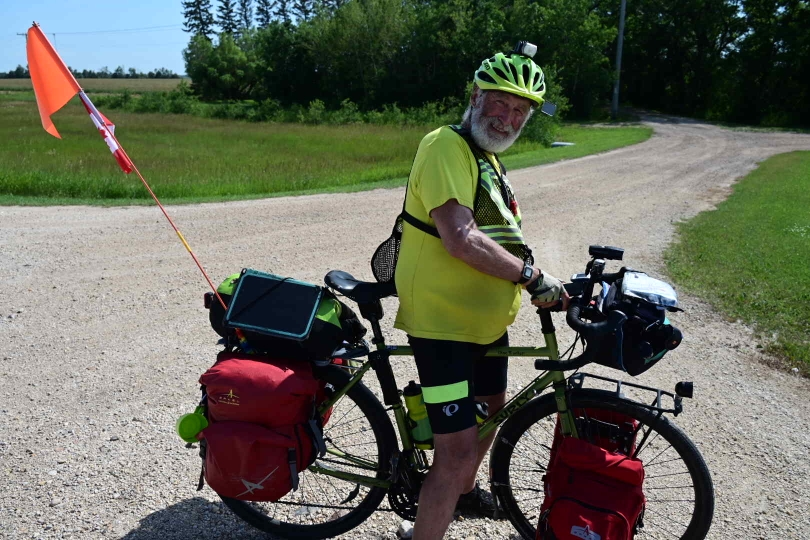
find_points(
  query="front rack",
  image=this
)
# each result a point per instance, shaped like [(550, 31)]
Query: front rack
[(577, 381)]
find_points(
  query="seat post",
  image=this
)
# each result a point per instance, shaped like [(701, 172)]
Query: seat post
[(373, 313)]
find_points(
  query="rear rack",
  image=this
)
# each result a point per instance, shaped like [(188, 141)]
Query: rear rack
[(577, 381)]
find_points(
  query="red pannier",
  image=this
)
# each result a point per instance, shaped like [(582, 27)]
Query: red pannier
[(250, 462), (263, 427), (593, 491), (266, 391), (591, 494)]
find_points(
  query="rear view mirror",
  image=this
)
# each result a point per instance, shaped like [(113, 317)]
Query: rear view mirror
[(548, 108)]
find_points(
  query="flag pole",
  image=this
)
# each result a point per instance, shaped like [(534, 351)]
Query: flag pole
[(97, 115)]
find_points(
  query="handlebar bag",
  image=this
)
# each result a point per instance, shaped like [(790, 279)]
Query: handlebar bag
[(647, 335), (282, 317), (591, 493)]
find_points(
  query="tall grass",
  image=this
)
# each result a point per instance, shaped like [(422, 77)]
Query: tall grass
[(750, 256), (186, 158)]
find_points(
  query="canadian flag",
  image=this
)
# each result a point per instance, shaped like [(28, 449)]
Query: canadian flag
[(107, 129)]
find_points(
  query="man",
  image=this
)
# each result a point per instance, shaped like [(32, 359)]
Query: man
[(460, 289)]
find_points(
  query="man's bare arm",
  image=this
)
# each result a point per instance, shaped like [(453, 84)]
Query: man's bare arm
[(462, 239)]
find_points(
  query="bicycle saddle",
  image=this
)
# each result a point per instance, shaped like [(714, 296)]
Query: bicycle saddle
[(362, 292)]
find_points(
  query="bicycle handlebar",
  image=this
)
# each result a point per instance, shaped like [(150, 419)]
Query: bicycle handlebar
[(593, 333)]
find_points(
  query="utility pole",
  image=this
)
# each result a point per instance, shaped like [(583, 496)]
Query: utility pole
[(614, 106)]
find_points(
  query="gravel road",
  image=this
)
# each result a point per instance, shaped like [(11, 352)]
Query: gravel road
[(103, 336)]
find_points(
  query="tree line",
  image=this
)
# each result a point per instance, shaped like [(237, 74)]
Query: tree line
[(104, 73), (734, 60)]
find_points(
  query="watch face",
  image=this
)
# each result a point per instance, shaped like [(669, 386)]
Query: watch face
[(528, 272)]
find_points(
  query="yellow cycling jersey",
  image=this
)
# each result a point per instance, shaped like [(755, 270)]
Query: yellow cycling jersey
[(440, 296)]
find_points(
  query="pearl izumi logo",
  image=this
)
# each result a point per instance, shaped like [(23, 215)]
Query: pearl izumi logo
[(450, 410), (229, 399), (585, 533)]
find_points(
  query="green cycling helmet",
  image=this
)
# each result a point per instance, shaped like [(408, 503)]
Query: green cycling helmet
[(516, 74)]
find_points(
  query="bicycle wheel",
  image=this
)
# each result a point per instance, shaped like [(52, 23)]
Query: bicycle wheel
[(678, 486), (326, 506)]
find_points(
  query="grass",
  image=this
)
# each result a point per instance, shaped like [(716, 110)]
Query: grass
[(103, 85), (190, 159), (749, 256)]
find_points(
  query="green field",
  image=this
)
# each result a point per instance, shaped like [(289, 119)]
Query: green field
[(104, 85), (190, 159), (750, 256)]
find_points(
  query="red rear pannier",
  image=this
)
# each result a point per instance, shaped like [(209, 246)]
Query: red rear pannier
[(250, 462), (260, 390)]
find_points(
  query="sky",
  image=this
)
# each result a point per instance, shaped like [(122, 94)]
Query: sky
[(91, 34)]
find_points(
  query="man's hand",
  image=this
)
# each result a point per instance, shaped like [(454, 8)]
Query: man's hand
[(547, 290)]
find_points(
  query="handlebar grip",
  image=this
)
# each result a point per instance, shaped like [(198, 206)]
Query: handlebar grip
[(572, 317), (593, 333), (612, 277)]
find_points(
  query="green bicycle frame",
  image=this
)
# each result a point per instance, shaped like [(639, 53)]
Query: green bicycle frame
[(537, 386)]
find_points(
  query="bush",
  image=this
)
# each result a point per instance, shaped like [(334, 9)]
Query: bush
[(315, 112), (349, 113)]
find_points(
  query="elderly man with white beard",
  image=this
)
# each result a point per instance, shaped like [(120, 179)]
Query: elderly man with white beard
[(462, 265)]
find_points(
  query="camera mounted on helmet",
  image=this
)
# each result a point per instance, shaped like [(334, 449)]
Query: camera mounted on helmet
[(524, 48)]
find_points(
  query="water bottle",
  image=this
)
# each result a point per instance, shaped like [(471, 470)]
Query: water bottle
[(189, 425), (417, 414)]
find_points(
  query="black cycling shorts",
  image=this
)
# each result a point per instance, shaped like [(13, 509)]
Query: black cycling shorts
[(452, 373)]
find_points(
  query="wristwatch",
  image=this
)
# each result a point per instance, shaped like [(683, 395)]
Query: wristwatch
[(526, 274)]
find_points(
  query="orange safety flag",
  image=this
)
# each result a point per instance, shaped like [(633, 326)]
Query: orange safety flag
[(54, 84)]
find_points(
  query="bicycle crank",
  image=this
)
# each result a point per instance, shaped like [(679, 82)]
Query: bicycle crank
[(403, 495)]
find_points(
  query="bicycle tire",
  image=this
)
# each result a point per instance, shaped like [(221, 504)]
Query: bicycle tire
[(295, 515), (525, 441)]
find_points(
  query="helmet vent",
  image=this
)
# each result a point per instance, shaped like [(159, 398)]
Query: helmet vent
[(524, 71), (486, 77), (500, 72)]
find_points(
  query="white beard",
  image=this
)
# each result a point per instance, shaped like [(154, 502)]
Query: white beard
[(481, 135)]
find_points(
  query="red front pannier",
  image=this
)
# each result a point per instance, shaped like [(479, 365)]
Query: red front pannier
[(591, 494), (593, 491)]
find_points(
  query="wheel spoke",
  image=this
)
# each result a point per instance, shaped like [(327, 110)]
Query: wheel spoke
[(665, 475)]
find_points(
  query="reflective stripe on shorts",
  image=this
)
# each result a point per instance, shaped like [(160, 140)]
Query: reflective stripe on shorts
[(446, 392)]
